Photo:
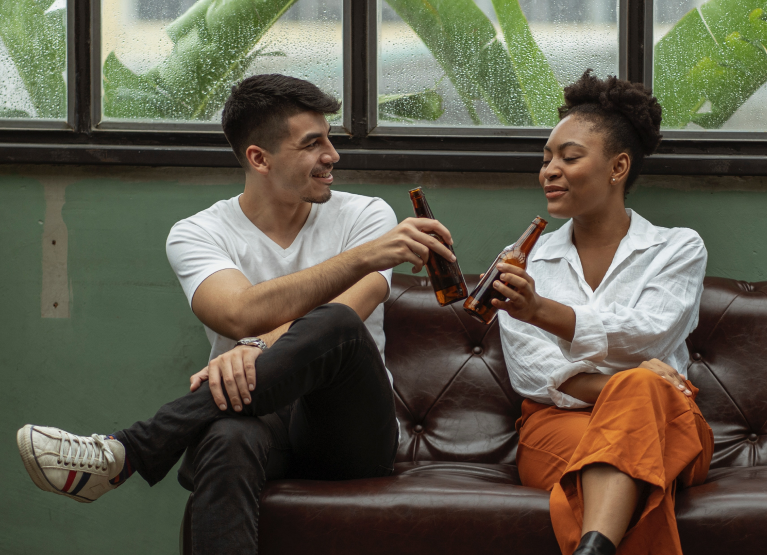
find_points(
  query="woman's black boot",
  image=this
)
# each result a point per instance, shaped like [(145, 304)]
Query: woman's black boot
[(595, 543)]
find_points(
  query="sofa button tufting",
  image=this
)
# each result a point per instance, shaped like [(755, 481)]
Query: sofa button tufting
[(477, 350), (696, 356), (418, 428), (752, 438)]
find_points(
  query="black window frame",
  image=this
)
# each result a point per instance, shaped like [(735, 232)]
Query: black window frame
[(361, 144)]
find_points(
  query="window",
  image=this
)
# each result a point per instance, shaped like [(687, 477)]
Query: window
[(489, 63), (33, 60), (177, 60), (710, 64), (465, 85)]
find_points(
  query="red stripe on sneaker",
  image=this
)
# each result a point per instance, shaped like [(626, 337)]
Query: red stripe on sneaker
[(83, 480), (70, 480)]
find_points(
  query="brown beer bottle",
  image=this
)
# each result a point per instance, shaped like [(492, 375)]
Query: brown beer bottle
[(446, 277), (478, 304)]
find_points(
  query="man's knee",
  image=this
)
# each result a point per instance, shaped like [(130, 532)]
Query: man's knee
[(225, 441), (338, 318)]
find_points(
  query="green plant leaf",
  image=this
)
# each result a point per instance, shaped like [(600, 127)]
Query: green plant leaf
[(540, 90), (711, 62), (12, 113), (464, 42), (214, 43), (422, 106), (36, 42)]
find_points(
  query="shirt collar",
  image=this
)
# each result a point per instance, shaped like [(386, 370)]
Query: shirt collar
[(641, 235)]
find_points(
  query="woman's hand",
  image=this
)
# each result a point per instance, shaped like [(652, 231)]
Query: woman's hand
[(667, 372), (528, 306), (523, 302)]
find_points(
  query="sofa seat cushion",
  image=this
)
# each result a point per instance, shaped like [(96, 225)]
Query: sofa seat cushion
[(726, 514), (426, 507)]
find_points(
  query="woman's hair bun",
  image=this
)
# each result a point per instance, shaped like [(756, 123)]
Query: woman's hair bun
[(617, 96)]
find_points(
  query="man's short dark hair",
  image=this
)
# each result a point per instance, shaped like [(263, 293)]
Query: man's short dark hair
[(258, 109)]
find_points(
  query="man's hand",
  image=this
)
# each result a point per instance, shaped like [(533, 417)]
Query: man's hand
[(667, 372), (409, 242), (236, 369)]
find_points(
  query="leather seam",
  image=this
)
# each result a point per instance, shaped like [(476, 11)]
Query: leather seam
[(447, 386), (495, 378), (721, 317), (729, 395)]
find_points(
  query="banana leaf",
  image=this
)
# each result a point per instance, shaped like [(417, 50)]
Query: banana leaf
[(214, 43), (36, 42), (13, 113), (540, 90), (411, 107), (463, 41), (711, 62)]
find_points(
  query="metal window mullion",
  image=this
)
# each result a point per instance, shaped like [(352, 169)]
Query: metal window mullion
[(623, 37), (373, 24), (635, 38), (94, 52), (358, 59), (81, 45), (348, 83), (71, 65), (649, 28)]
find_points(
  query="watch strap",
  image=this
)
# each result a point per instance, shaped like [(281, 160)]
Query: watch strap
[(253, 342)]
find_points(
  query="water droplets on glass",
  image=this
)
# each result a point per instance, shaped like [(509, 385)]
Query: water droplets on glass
[(177, 59), (33, 59), (463, 59)]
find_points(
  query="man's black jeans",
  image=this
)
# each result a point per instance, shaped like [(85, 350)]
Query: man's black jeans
[(323, 408)]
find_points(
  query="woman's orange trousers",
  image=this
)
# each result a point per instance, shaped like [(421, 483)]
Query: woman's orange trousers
[(643, 426)]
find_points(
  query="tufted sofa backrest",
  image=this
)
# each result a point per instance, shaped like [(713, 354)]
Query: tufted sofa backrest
[(729, 365), (455, 401)]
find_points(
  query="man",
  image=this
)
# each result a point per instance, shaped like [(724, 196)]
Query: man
[(283, 277)]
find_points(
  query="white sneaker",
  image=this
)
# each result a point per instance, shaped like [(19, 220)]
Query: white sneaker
[(76, 466)]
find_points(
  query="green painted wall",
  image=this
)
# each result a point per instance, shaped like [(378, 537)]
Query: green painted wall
[(130, 341)]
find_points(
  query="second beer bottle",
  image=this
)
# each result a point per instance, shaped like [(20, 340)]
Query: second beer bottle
[(446, 277), (478, 304)]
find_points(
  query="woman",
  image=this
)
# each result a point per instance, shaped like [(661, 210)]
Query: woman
[(596, 343)]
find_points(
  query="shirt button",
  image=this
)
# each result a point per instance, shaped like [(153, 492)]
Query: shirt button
[(696, 356), (418, 428), (477, 350)]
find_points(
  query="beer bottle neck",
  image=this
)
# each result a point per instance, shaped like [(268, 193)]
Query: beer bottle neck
[(530, 236), (420, 206)]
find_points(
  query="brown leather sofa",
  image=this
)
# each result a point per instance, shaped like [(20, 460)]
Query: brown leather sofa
[(455, 489)]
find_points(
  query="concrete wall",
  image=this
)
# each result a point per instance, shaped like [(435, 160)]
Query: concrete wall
[(95, 332)]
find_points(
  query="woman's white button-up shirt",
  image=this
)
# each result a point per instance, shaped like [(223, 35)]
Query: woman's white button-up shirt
[(645, 307)]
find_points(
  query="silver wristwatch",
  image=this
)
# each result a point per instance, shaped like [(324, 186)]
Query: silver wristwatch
[(253, 342)]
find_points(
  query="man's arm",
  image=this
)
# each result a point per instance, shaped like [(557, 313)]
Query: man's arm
[(363, 297), (228, 304), (236, 369)]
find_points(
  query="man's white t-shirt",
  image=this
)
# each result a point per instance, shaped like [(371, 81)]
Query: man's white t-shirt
[(222, 237)]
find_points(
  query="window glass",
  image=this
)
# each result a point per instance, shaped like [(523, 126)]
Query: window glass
[(177, 59), (489, 62), (33, 59), (710, 64)]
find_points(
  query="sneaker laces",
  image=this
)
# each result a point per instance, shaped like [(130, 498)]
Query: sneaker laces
[(91, 451)]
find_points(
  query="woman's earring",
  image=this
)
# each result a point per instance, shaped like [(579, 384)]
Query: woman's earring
[(613, 180)]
